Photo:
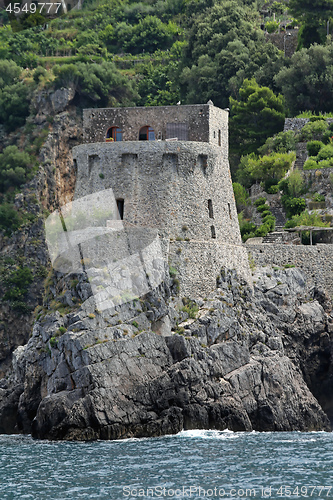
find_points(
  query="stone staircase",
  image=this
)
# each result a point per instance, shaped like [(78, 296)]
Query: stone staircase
[(277, 235), (301, 155), (279, 216)]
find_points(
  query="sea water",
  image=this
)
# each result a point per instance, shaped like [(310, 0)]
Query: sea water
[(192, 464)]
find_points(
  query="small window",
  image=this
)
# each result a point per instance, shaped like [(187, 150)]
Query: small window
[(146, 134), (120, 208), (219, 137), (212, 228), (229, 210), (114, 134), (210, 209)]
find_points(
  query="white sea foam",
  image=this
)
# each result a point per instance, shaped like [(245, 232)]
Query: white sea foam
[(208, 434)]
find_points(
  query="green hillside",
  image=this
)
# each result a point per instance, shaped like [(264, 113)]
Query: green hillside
[(126, 53)]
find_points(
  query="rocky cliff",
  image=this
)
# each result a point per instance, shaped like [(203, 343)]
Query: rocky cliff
[(238, 359), (241, 359)]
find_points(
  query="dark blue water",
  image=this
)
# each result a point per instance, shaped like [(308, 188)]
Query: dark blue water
[(192, 464)]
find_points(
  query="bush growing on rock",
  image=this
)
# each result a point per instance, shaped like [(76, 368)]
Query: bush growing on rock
[(314, 130), (10, 220), (262, 230), (314, 147), (311, 164), (14, 167), (283, 142), (262, 208), (325, 153), (293, 206)]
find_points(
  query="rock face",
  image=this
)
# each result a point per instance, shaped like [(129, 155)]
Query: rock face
[(238, 360)]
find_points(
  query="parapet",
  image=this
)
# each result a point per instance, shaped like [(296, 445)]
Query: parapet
[(197, 123)]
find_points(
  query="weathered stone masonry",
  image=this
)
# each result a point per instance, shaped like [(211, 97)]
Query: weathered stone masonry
[(315, 261), (182, 188)]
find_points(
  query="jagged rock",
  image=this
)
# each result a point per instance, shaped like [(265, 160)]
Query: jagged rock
[(102, 379)]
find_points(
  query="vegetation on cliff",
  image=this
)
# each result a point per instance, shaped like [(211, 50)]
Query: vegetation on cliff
[(125, 52)]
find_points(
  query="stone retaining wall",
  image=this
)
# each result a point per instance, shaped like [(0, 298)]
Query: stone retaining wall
[(315, 261)]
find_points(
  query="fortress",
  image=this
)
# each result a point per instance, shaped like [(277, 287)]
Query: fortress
[(168, 170)]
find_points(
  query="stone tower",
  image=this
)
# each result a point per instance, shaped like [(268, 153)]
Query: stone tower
[(168, 169)]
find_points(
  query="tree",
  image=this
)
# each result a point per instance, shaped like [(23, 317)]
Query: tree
[(264, 168), (14, 167), (9, 72), (283, 142), (241, 196), (307, 84), (101, 83), (313, 14), (257, 115), (14, 105), (225, 46)]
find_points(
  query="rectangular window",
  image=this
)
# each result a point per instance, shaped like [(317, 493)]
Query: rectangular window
[(210, 209), (219, 137), (120, 208), (212, 228), (229, 208), (177, 130)]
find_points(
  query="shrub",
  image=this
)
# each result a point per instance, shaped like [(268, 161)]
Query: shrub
[(293, 206), (259, 201), (272, 26), (14, 105), (273, 189), (262, 230), (294, 184), (325, 163), (265, 212), (191, 309), (269, 221), (314, 130), (314, 147), (262, 208), (17, 284), (173, 272), (241, 196), (14, 167), (247, 227), (248, 235), (310, 164), (306, 219), (318, 197), (325, 153), (101, 83), (10, 219), (283, 142), (53, 341)]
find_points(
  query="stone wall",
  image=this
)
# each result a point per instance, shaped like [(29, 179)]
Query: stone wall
[(199, 123), (184, 190), (296, 124), (284, 41), (315, 261)]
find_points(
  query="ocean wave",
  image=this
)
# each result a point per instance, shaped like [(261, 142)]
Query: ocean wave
[(208, 434)]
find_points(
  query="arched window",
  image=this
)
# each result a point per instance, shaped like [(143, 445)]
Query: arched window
[(114, 134), (146, 134)]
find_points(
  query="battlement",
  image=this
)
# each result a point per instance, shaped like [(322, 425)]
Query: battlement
[(197, 123)]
